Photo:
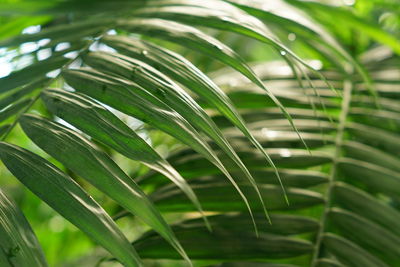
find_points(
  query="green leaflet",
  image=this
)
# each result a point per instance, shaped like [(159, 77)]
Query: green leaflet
[(224, 16), (79, 155), (188, 163), (367, 153), (14, 109), (370, 166), (258, 120), (380, 241), (67, 198), (215, 14), (220, 197), (198, 41), (349, 253), (278, 139), (184, 72), (31, 73), (218, 245), (20, 93), (366, 205), (19, 245), (389, 141), (375, 177), (283, 224), (102, 125), (293, 178), (172, 95), (311, 33), (191, 38), (384, 119), (133, 100)]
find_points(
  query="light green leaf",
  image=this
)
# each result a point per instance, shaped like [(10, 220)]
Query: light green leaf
[(353, 21)]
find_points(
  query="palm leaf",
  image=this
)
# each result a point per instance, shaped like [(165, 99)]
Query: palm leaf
[(19, 244), (116, 62), (68, 198)]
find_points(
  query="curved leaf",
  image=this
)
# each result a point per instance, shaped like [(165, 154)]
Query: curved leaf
[(187, 74), (89, 117), (79, 155), (31, 73), (133, 100), (19, 245), (197, 40), (172, 95), (68, 198), (349, 253)]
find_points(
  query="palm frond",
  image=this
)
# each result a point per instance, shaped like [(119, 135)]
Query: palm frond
[(329, 133)]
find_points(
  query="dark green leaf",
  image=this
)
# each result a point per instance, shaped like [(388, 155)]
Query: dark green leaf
[(69, 199), (80, 156), (31, 73), (349, 253), (368, 235), (89, 117), (222, 197), (19, 245)]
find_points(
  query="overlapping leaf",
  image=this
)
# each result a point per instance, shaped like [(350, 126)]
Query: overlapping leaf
[(85, 160), (344, 197), (133, 100), (68, 198), (89, 117)]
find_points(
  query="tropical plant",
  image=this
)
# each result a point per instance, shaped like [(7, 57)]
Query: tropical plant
[(144, 125)]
